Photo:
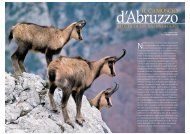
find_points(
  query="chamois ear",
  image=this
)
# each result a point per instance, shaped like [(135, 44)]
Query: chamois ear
[(110, 58), (81, 23)]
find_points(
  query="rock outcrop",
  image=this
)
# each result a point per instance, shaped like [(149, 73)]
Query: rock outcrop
[(27, 109)]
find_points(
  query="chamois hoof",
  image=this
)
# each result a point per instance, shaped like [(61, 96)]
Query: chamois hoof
[(69, 123), (80, 121), (16, 75)]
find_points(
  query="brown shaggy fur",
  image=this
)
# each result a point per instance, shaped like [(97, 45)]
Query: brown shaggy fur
[(74, 76), (48, 40)]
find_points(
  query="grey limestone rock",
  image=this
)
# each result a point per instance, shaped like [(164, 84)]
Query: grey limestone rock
[(27, 109)]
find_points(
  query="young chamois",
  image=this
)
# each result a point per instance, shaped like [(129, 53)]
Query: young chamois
[(47, 40), (103, 99), (74, 76)]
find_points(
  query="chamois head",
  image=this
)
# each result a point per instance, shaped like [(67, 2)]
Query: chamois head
[(109, 65), (76, 33), (103, 99)]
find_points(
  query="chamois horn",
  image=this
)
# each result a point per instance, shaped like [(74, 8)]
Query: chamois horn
[(82, 23), (114, 89), (124, 52)]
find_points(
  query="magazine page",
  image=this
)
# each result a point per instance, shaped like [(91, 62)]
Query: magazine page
[(95, 67)]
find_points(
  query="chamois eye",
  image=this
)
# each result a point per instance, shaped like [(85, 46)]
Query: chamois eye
[(77, 27), (110, 63), (106, 93)]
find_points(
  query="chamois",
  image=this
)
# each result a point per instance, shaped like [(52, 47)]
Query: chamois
[(74, 75), (103, 99), (44, 39)]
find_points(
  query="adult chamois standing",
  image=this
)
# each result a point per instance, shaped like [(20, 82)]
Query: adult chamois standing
[(44, 39), (103, 99), (74, 76)]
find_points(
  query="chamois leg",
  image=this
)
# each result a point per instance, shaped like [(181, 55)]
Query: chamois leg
[(78, 100), (15, 63), (21, 59), (49, 56), (74, 95), (64, 101), (50, 95)]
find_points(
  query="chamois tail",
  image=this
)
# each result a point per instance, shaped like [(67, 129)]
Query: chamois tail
[(10, 35)]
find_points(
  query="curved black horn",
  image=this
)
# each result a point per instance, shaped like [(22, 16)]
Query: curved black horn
[(114, 89), (124, 52)]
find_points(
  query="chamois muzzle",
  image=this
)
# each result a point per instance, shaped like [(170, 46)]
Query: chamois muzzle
[(113, 90), (82, 23), (118, 58)]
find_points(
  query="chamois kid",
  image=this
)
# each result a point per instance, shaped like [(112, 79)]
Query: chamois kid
[(74, 75), (103, 99), (44, 39)]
